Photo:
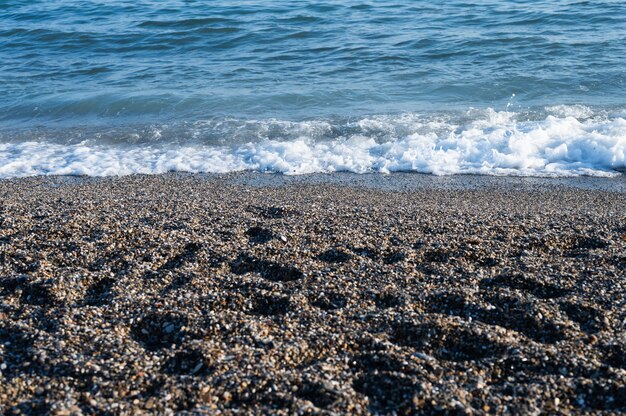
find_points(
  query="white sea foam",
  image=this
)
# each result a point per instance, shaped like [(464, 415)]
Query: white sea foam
[(488, 142)]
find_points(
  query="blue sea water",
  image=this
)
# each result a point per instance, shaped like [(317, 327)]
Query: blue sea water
[(444, 87)]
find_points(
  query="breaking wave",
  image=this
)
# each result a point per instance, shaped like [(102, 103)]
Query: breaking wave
[(558, 141)]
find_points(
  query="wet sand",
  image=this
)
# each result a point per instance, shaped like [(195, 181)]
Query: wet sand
[(253, 293)]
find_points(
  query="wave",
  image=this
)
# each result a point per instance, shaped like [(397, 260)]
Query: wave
[(564, 141)]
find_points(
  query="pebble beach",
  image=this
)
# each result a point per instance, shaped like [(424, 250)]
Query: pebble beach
[(258, 294)]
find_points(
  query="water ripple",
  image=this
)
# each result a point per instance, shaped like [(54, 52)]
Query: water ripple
[(252, 58)]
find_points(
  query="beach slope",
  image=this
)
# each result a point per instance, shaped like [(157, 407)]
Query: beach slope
[(341, 293)]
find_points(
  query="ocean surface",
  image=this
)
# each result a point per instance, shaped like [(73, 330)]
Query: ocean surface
[(444, 87)]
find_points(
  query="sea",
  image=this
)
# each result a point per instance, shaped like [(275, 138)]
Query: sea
[(490, 87)]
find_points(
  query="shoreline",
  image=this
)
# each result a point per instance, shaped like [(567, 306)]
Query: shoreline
[(395, 181), (345, 293)]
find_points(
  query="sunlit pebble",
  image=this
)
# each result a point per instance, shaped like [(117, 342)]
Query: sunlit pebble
[(334, 332)]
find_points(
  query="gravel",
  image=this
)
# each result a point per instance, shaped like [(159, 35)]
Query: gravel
[(214, 294)]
